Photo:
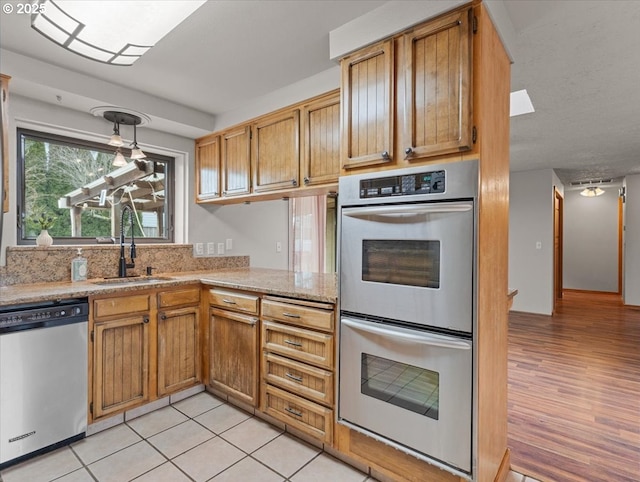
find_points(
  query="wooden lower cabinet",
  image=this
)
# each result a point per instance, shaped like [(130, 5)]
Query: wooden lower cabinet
[(298, 364), (120, 364), (178, 349), (234, 354), (234, 334), (145, 345)]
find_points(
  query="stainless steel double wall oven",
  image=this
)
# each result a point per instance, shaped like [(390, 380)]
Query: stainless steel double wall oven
[(407, 309)]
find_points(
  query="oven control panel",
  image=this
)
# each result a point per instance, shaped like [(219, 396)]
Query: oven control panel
[(428, 182)]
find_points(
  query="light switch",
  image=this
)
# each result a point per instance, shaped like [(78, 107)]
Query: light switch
[(229, 244), (211, 248), (220, 248), (199, 249)]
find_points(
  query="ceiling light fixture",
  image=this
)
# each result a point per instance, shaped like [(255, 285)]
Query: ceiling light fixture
[(116, 140), (136, 152), (117, 32), (592, 191), (127, 119)]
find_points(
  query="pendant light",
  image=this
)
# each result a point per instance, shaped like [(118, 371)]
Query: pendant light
[(136, 152), (115, 139), (119, 160)]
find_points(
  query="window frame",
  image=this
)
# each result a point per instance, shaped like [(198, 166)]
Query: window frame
[(170, 188)]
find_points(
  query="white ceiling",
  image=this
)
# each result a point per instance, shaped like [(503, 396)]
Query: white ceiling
[(579, 61)]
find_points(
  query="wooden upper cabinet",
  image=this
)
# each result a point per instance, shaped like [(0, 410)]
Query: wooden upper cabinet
[(321, 140), (236, 161), (275, 151), (207, 168), (438, 69), (367, 106)]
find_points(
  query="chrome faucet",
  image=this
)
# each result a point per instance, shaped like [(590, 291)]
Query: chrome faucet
[(122, 269)]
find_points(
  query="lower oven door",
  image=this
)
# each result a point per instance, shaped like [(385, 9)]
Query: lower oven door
[(411, 387)]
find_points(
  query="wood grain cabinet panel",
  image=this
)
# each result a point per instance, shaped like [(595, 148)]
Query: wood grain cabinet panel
[(121, 364), (236, 161), (207, 168), (438, 90), (310, 382), (178, 349), (123, 305), (320, 145), (275, 151), (367, 106), (300, 315), (298, 412), (232, 300), (234, 354), (299, 344), (179, 297)]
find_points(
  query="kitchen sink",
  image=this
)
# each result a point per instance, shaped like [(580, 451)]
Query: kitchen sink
[(132, 280)]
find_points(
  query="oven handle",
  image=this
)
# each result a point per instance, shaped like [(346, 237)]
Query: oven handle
[(408, 210), (405, 336)]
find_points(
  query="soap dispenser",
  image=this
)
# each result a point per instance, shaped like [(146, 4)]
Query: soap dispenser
[(79, 267)]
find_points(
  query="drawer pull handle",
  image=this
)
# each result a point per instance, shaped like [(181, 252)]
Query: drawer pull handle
[(293, 377), (231, 302), (293, 412), (293, 343), (290, 315)]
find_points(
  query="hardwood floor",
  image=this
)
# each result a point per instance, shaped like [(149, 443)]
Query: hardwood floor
[(574, 391)]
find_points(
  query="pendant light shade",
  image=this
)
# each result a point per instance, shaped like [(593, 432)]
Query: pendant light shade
[(119, 160), (115, 139), (136, 152)]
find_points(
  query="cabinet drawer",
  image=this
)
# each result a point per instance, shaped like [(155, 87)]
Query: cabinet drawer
[(121, 306), (298, 343), (234, 301), (298, 315), (302, 414), (299, 378), (187, 296)]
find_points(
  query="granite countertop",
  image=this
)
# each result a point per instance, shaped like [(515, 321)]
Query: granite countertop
[(309, 286)]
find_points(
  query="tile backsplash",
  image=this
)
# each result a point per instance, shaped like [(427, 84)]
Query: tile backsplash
[(29, 264)]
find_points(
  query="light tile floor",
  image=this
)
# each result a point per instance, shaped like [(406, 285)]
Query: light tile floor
[(197, 439)]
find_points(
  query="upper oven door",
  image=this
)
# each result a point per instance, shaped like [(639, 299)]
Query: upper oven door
[(409, 262)]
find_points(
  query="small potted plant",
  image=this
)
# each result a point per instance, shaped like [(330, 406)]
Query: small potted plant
[(45, 221)]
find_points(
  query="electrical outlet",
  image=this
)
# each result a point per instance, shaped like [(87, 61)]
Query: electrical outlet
[(538, 244), (211, 248), (199, 249), (278, 247), (220, 248), (229, 244)]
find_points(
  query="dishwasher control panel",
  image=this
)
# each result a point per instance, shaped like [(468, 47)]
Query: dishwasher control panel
[(16, 317)]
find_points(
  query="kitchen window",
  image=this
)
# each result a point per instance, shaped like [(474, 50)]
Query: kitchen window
[(74, 183)]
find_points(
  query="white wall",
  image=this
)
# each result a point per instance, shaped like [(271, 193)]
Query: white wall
[(632, 241), (590, 260), (530, 222)]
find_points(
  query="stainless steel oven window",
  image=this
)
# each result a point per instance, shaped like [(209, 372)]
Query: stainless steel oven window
[(406, 386), (402, 262)]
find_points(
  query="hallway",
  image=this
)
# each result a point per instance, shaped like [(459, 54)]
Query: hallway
[(574, 391)]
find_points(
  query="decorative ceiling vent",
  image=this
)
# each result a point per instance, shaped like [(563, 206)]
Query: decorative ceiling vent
[(593, 182)]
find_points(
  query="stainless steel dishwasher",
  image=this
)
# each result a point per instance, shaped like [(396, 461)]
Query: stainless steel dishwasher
[(43, 377)]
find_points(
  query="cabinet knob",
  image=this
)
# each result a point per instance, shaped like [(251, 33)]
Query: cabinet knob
[(306, 180), (294, 182), (145, 319), (385, 155), (163, 316), (408, 153)]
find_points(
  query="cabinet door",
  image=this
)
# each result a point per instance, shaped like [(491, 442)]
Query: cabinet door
[(234, 355), (438, 87), (275, 151), (4, 141), (367, 109), (321, 140), (207, 168), (236, 161), (121, 364), (178, 351)]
